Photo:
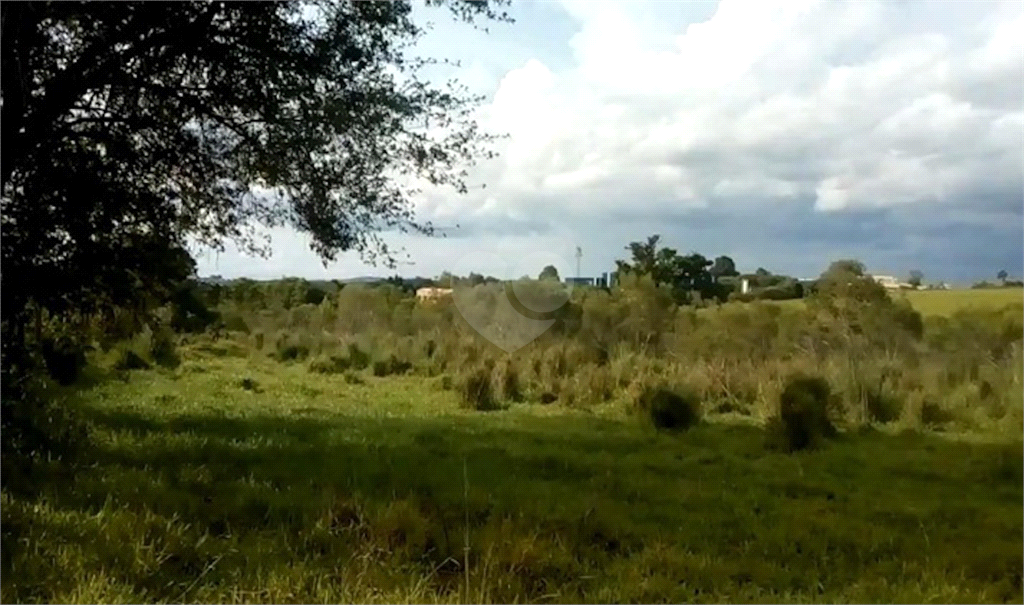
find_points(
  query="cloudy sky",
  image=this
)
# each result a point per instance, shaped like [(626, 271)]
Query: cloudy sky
[(785, 134)]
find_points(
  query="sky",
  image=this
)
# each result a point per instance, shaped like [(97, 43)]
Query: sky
[(783, 133)]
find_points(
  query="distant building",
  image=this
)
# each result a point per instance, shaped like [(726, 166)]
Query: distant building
[(426, 294), (580, 281), (891, 283)]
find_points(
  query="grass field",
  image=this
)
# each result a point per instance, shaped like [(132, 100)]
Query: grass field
[(946, 302), (237, 479)]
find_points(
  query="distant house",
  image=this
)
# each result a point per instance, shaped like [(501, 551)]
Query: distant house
[(580, 281), (891, 283), (427, 294)]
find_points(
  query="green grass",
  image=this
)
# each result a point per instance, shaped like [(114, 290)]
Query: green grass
[(947, 302), (944, 302), (234, 479)]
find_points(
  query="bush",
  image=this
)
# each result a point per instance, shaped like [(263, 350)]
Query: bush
[(803, 421), (932, 414), (130, 360), (163, 348), (548, 397), (358, 359), (670, 409), (882, 406), (64, 359), (391, 365), (595, 384), (250, 384), (353, 378), (234, 322), (335, 364), (292, 352), (508, 382), (477, 392)]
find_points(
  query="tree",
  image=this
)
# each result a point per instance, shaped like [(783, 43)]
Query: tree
[(685, 274), (844, 270), (131, 131), (127, 126), (724, 267), (916, 278), (549, 273), (1002, 275), (846, 281)]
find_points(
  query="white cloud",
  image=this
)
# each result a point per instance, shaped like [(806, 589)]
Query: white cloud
[(843, 107)]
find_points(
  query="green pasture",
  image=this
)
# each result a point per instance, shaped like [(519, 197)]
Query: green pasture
[(239, 479)]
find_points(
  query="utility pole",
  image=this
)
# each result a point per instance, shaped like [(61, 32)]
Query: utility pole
[(579, 255)]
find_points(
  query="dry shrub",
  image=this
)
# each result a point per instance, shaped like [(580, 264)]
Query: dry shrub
[(333, 364), (594, 384), (477, 392), (506, 377)]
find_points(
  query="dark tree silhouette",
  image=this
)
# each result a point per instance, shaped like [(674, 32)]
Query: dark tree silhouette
[(130, 126), (132, 130)]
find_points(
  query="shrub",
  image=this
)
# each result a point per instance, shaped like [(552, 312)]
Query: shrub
[(130, 360), (932, 414), (803, 421), (595, 384), (334, 364), (353, 378), (508, 382), (249, 384), (234, 322), (447, 383), (259, 341), (64, 359), (477, 392), (391, 365), (883, 406), (670, 409), (358, 359), (163, 349), (548, 397), (292, 352)]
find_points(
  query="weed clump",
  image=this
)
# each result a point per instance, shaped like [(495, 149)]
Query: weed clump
[(163, 349), (883, 407), (334, 364), (292, 352), (932, 414), (477, 392), (130, 360), (249, 384), (803, 421), (508, 382), (669, 409), (548, 397), (391, 365), (358, 358)]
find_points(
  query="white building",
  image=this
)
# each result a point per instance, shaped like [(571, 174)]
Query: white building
[(890, 282)]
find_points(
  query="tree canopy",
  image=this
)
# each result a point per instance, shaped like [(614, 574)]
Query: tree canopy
[(685, 274), (130, 130), (549, 273)]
